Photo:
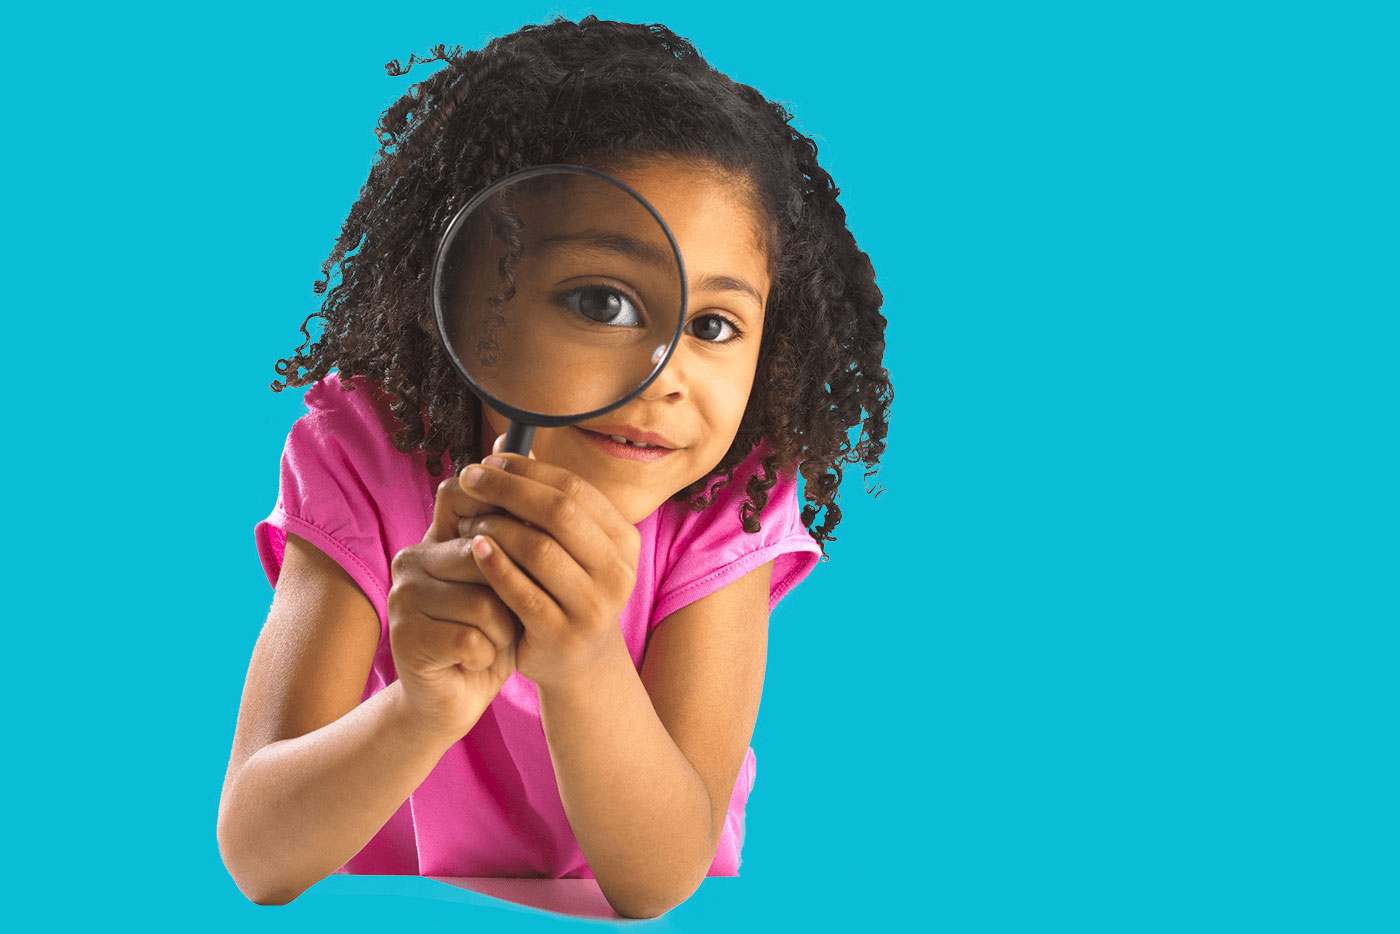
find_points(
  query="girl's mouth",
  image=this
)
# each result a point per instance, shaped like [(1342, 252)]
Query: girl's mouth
[(622, 448)]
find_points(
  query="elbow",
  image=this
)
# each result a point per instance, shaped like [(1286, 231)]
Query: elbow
[(645, 904), (646, 900), (271, 897), (258, 888), (641, 905), (642, 910), (267, 895), (263, 893)]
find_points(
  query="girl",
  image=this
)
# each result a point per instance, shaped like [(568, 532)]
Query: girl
[(551, 666)]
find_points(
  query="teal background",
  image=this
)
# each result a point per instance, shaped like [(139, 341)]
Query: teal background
[(1114, 650)]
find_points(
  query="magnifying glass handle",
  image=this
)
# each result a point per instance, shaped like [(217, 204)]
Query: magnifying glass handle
[(518, 439)]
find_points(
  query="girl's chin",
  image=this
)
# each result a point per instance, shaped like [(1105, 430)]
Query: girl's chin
[(633, 501), (634, 504)]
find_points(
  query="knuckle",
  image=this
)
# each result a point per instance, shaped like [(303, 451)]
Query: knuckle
[(533, 604), (467, 638), (565, 508), (399, 598), (402, 626), (404, 559), (539, 548), (474, 649)]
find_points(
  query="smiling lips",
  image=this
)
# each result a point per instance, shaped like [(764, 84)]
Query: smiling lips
[(628, 433), (629, 443)]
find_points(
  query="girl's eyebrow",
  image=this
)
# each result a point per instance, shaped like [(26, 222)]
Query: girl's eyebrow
[(609, 242), (729, 284), (649, 253)]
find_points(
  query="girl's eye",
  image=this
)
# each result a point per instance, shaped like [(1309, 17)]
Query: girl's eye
[(715, 328), (604, 305)]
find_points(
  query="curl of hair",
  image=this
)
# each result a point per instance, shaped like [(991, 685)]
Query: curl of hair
[(605, 94)]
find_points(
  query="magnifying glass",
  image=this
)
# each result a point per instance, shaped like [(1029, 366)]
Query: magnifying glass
[(560, 294)]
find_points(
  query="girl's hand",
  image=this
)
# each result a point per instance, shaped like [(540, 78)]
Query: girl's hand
[(453, 639), (564, 559)]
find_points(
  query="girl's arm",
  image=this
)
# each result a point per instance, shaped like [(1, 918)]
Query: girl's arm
[(314, 774), (646, 762)]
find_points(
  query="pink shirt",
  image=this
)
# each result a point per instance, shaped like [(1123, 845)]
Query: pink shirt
[(491, 806)]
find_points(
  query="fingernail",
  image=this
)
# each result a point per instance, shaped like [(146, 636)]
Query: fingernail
[(481, 546), (498, 462), (499, 443), (474, 473)]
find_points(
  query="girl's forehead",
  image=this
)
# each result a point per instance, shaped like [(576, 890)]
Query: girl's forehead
[(717, 221)]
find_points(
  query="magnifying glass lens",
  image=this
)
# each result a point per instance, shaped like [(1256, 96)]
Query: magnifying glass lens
[(558, 293)]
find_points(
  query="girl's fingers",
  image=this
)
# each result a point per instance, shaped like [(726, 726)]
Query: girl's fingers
[(534, 606), (569, 509), (451, 505), (426, 645), (477, 608), (424, 587), (450, 560), (454, 604), (499, 445), (453, 510), (541, 558)]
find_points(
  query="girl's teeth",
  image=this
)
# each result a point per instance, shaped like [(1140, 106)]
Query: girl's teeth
[(636, 444)]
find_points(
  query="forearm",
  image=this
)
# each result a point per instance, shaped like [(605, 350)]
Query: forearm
[(639, 809), (300, 808)]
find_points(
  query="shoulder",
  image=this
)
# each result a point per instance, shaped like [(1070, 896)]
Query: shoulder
[(347, 434), (352, 414), (700, 552), (344, 486), (719, 525)]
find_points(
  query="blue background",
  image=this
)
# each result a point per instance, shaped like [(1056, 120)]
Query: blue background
[(1115, 648)]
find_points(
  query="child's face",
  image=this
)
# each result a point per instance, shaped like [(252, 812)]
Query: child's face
[(698, 400)]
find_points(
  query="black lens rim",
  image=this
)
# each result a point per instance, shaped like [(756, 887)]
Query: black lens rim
[(524, 416)]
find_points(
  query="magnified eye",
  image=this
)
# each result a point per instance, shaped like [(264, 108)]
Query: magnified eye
[(605, 305)]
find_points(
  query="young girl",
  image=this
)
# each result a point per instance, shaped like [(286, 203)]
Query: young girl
[(483, 665)]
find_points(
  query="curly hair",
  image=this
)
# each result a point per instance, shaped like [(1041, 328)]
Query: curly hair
[(605, 94)]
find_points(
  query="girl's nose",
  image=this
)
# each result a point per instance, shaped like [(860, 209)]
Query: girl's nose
[(670, 382)]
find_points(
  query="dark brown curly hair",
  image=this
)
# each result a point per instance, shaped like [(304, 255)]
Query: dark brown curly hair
[(604, 94)]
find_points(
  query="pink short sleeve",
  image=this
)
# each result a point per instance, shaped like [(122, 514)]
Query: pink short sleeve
[(710, 549), (347, 490)]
